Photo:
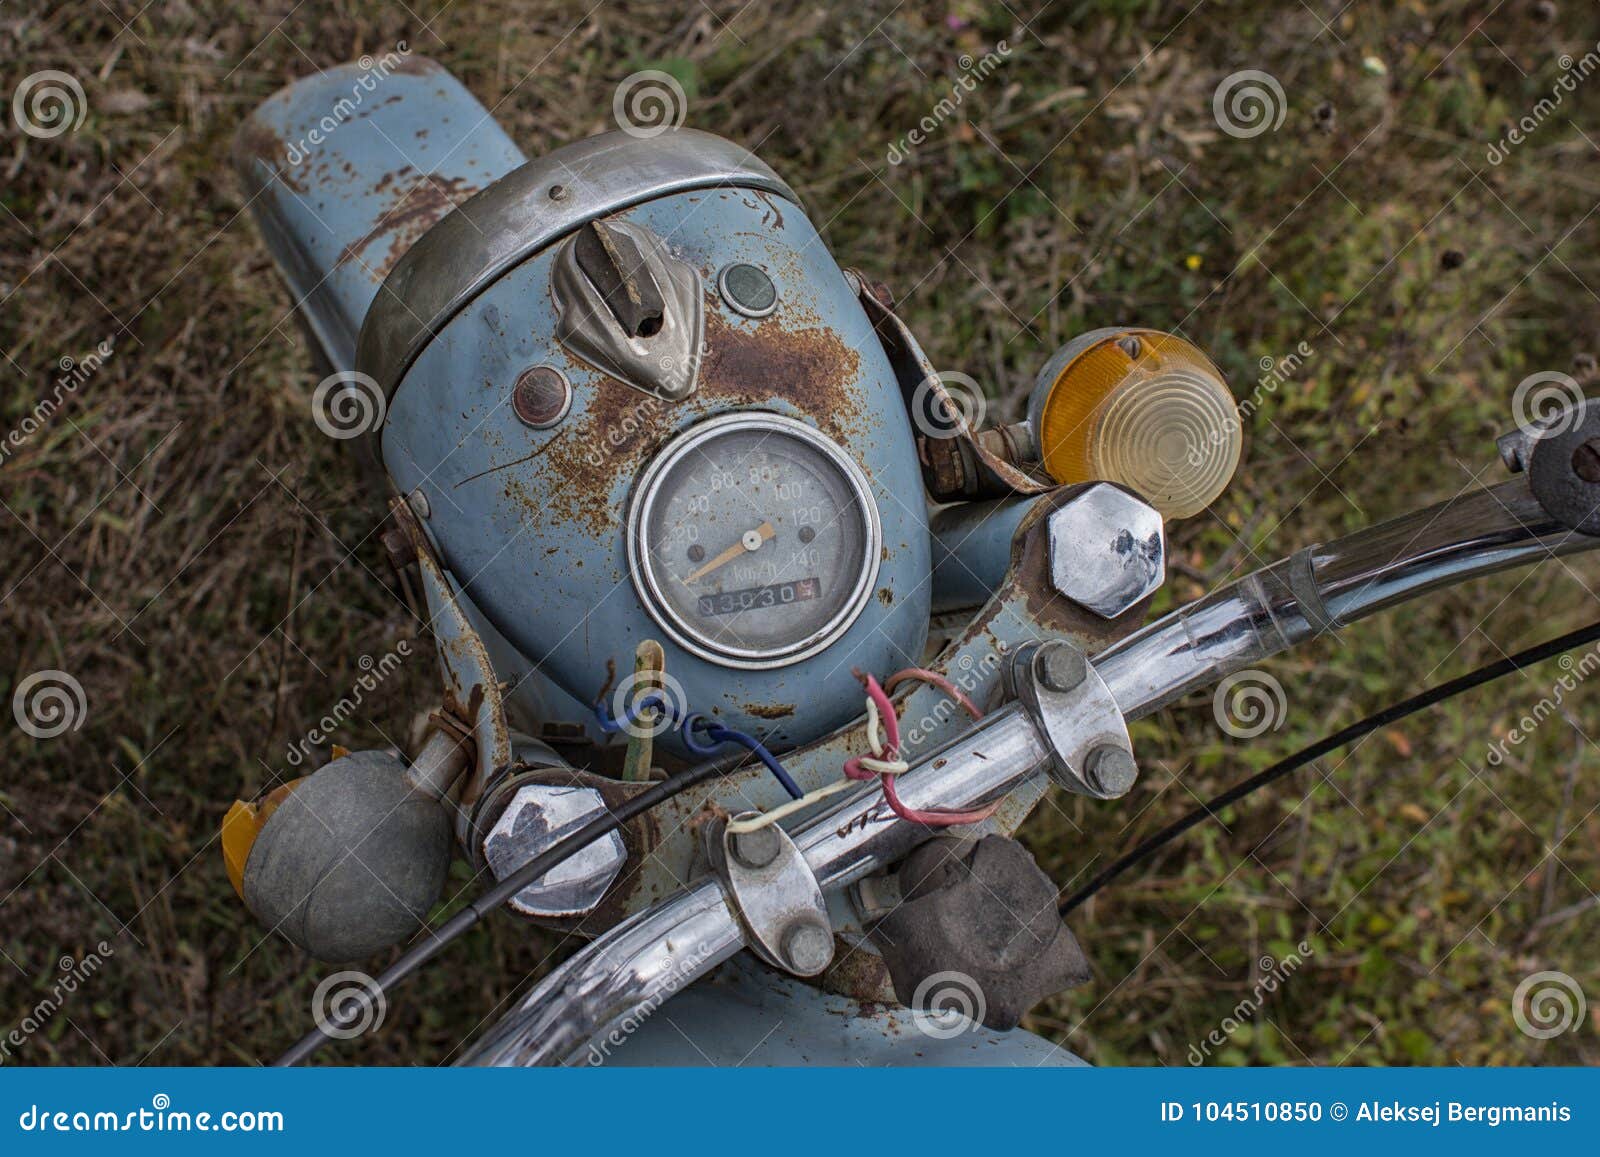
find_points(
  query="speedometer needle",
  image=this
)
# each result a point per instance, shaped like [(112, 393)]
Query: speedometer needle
[(751, 540)]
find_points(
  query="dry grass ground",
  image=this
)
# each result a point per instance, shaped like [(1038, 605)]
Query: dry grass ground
[(183, 541)]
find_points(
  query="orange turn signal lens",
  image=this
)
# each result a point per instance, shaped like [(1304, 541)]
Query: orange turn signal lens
[(1141, 408), (242, 825)]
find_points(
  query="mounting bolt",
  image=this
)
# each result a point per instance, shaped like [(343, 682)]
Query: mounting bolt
[(534, 819), (1110, 769), (399, 547), (1108, 549), (808, 947), (1061, 668), (756, 849)]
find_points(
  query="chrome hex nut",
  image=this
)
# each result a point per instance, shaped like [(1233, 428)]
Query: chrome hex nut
[(539, 816), (1108, 549)]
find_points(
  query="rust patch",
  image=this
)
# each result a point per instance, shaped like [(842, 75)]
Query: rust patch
[(770, 710), (420, 200), (858, 973), (372, 108), (809, 366), (582, 462), (708, 811), (619, 426), (774, 217), (467, 713), (256, 142)]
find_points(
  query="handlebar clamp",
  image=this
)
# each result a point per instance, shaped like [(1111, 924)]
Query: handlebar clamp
[(1076, 712)]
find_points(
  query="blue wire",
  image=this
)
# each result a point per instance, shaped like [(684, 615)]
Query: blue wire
[(715, 732), (699, 722), (651, 700), (720, 734)]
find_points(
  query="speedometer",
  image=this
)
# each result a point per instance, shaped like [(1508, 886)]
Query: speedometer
[(753, 540)]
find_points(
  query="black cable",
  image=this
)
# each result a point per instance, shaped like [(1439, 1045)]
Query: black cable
[(437, 938), (1299, 759)]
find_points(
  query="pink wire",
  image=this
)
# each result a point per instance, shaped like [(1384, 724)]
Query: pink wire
[(923, 675), (891, 724), (934, 817)]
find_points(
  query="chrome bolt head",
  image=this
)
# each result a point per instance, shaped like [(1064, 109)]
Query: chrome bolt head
[(757, 849), (808, 947), (537, 817), (1062, 667), (1111, 770), (1108, 549)]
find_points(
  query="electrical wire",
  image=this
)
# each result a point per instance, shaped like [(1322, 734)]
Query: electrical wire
[(885, 761), (934, 679), (760, 820), (1391, 714), (438, 938), (717, 733)]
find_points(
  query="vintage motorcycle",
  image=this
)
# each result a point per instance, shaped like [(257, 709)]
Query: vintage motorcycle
[(678, 491)]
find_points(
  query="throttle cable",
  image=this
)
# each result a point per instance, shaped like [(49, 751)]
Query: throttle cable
[(1391, 714)]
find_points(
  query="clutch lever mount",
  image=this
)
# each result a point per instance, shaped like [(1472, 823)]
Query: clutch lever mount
[(1562, 459)]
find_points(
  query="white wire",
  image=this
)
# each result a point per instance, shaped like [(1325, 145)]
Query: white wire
[(757, 822), (871, 762)]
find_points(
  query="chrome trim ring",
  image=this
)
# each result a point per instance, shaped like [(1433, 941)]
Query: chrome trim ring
[(654, 599), (528, 210)]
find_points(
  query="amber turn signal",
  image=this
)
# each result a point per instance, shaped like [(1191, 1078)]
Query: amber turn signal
[(241, 826), (1142, 408)]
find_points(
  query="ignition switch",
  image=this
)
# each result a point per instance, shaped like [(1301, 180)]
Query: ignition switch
[(619, 269), (630, 308)]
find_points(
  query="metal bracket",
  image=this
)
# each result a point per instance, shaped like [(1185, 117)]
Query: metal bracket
[(468, 673), (967, 467), (775, 895), (1076, 711)]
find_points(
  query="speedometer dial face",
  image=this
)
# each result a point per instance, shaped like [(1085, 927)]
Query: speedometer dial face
[(753, 540)]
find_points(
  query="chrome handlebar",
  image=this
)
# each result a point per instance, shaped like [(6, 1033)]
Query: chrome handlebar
[(637, 966), (1323, 588)]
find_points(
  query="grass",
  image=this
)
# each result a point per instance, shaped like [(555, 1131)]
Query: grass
[(183, 540)]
